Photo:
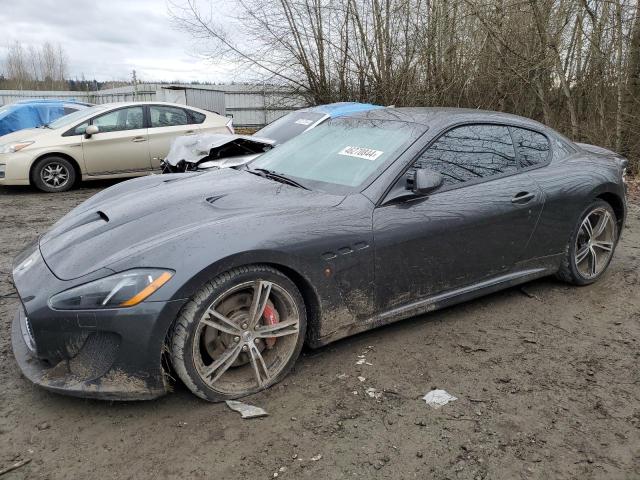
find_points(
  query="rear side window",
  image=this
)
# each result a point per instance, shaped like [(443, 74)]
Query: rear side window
[(162, 116), (196, 117), (561, 149), (533, 147), (469, 153)]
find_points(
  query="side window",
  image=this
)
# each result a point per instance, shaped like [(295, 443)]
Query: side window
[(162, 116), (533, 147), (471, 152), (68, 110), (561, 149), (196, 117), (130, 118), (80, 129)]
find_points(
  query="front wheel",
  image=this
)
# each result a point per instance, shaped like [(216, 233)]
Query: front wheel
[(54, 174), (239, 334), (591, 246)]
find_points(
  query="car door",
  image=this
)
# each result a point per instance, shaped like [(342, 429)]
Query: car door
[(476, 226), (165, 124), (121, 144)]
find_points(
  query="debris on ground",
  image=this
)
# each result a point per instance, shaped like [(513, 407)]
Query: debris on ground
[(280, 470), (438, 398), (247, 411), (15, 466), (43, 426), (470, 349), (362, 379), (373, 393), (316, 458), (363, 361), (527, 293)]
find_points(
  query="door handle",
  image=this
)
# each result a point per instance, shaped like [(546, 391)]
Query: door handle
[(523, 197), (189, 132), (139, 139)]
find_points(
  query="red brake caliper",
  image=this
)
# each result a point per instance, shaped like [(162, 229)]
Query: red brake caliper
[(271, 317)]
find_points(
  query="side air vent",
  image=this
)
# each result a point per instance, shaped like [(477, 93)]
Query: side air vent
[(103, 216)]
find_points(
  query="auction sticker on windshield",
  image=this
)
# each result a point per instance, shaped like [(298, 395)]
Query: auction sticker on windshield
[(304, 121), (360, 152)]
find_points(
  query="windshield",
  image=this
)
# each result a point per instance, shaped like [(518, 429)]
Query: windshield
[(289, 126), (74, 117), (341, 153)]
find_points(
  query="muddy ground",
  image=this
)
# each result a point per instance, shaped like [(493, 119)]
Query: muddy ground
[(548, 381)]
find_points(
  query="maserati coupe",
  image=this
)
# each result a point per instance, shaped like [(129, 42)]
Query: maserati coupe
[(219, 278)]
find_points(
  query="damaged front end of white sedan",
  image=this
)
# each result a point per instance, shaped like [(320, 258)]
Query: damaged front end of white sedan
[(213, 151)]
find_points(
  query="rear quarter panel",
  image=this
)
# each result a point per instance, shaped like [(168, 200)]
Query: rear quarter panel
[(570, 185)]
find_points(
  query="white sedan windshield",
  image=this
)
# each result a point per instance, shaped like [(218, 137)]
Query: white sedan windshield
[(78, 116)]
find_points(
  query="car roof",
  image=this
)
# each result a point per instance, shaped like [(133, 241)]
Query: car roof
[(114, 105), (443, 116), (146, 102), (341, 109), (52, 101)]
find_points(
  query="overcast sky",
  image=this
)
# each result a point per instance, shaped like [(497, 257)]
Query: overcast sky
[(107, 39)]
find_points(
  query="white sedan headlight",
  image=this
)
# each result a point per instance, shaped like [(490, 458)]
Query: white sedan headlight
[(14, 147)]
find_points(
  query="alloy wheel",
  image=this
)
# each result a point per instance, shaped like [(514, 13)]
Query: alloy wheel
[(54, 175), (594, 243), (246, 337)]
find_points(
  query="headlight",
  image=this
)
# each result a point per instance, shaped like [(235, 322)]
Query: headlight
[(14, 147), (124, 289)]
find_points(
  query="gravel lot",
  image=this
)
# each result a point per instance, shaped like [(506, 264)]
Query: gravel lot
[(547, 377)]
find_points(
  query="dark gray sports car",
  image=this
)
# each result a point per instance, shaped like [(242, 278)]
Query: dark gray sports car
[(365, 220)]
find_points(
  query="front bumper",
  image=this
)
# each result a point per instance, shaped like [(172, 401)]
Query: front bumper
[(16, 168), (107, 354), (101, 369)]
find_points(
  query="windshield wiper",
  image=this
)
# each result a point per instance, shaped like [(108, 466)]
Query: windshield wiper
[(263, 172)]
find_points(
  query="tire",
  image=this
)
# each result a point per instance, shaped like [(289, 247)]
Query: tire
[(220, 364), (582, 244), (53, 174)]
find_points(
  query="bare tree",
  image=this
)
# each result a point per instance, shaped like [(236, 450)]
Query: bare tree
[(35, 68)]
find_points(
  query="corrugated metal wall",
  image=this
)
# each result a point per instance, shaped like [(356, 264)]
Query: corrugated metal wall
[(256, 107), (212, 100), (250, 106), (12, 96)]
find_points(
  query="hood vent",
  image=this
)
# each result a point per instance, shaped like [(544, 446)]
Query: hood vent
[(213, 199)]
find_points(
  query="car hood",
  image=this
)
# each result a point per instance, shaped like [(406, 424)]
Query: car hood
[(146, 213), (27, 134)]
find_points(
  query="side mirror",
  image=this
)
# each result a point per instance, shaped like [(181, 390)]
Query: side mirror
[(91, 130), (426, 181)]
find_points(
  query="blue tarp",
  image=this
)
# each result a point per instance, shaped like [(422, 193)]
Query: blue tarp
[(29, 115)]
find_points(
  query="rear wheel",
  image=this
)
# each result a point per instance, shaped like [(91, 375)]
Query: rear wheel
[(54, 174), (239, 334), (591, 245)]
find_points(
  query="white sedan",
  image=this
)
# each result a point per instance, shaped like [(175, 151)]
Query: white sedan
[(106, 141)]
